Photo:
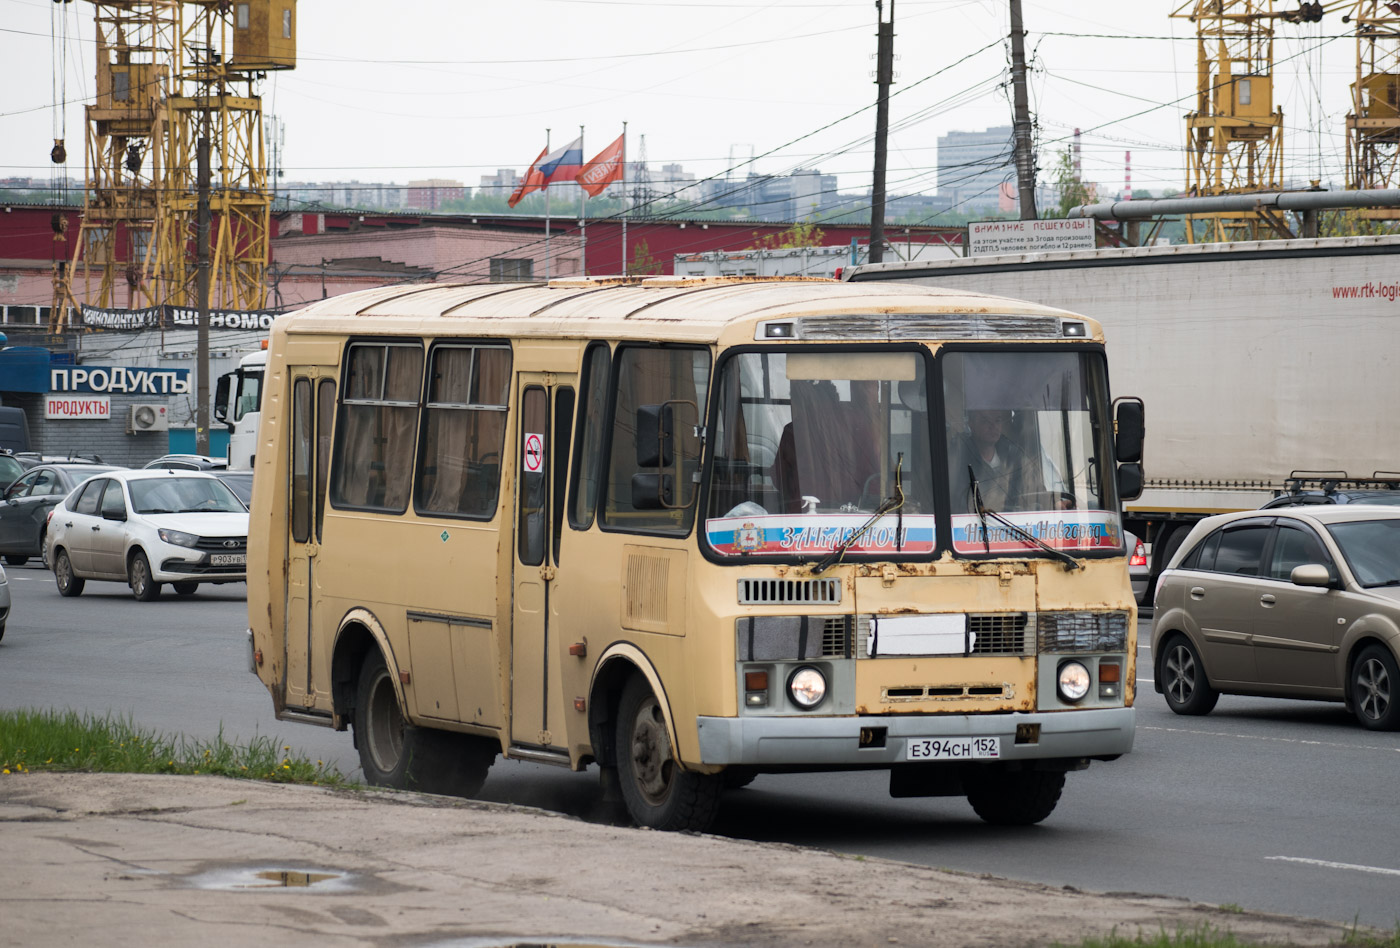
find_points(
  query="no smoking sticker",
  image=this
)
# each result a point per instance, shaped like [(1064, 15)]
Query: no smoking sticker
[(534, 453)]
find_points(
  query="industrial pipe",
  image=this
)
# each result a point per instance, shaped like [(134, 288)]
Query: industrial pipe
[(1279, 200)]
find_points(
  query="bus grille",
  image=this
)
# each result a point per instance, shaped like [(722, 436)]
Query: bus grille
[(946, 692), (763, 592), (1009, 633), (1083, 631), (993, 633), (834, 637)]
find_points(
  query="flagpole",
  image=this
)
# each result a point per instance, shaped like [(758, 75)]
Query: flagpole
[(624, 199), (546, 214), (582, 214)]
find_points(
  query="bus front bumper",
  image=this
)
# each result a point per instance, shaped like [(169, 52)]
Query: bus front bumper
[(836, 741)]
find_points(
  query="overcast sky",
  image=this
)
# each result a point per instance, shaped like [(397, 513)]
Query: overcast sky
[(446, 88)]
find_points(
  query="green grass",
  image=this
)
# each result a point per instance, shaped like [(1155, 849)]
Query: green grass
[(1207, 936), (32, 741)]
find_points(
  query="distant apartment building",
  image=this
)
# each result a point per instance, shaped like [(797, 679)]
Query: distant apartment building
[(500, 184), (376, 195), (797, 196), (972, 166), (430, 194)]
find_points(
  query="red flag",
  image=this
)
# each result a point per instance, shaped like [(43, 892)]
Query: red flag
[(603, 170), (534, 180)]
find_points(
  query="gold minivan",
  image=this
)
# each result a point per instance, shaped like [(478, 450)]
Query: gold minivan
[(1288, 603)]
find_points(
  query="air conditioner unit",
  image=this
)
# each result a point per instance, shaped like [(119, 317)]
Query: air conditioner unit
[(149, 418)]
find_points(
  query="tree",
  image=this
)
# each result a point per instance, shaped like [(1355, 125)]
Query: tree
[(1073, 191), (643, 263), (798, 235)]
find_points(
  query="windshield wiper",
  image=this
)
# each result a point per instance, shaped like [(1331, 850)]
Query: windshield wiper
[(891, 503), (983, 512)]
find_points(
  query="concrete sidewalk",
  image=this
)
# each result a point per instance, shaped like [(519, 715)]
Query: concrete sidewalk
[(119, 859)]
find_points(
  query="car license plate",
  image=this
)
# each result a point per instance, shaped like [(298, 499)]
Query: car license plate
[(953, 748), (228, 559)]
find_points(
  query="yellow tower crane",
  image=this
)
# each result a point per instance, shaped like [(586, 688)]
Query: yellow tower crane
[(1373, 125), (1235, 135), (168, 73)]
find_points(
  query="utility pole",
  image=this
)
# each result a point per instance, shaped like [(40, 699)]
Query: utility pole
[(1021, 124), (884, 78), (201, 417)]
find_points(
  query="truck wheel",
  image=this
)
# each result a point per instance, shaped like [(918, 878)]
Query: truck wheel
[(394, 753), (68, 583), (1169, 546), (1020, 798), (657, 792), (1374, 681), (1183, 678)]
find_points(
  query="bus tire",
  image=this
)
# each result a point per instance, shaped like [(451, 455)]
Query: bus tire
[(1018, 798), (657, 792), (394, 753)]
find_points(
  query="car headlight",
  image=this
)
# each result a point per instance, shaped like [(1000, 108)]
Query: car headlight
[(179, 538), (1073, 681), (807, 687)]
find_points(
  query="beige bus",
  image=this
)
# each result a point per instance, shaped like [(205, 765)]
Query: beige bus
[(691, 531)]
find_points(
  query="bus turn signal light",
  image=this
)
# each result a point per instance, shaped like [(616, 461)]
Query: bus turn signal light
[(1110, 674), (756, 688)]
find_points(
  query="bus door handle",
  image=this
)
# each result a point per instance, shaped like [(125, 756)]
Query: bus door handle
[(547, 573)]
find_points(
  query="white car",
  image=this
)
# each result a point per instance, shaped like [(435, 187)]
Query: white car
[(146, 528)]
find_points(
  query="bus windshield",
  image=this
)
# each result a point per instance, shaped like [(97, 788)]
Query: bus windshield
[(811, 443)]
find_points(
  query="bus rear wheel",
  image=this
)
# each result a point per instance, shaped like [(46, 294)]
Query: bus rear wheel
[(1017, 798), (658, 793), (394, 753)]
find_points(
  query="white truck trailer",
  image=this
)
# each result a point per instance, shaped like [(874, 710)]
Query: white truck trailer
[(1255, 359)]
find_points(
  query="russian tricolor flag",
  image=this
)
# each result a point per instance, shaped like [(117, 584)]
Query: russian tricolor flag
[(561, 164)]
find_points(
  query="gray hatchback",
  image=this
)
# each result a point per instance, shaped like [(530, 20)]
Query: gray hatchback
[(1290, 603)]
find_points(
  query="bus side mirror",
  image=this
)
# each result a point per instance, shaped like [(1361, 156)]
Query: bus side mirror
[(653, 491), (221, 391), (1128, 429), (1129, 480), (656, 428)]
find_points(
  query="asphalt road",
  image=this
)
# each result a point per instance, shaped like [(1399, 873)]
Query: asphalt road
[(1275, 806)]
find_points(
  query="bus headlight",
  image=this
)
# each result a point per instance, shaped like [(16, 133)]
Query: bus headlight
[(1073, 681), (807, 687)]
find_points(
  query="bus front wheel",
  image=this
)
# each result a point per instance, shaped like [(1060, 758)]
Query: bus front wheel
[(1017, 798), (658, 793), (394, 753)]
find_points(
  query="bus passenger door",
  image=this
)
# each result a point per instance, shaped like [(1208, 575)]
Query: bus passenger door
[(541, 463), (313, 408)]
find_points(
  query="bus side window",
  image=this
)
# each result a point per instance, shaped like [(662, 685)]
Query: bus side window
[(378, 427), (301, 460), (464, 431), (563, 420), (655, 377), (588, 461)]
